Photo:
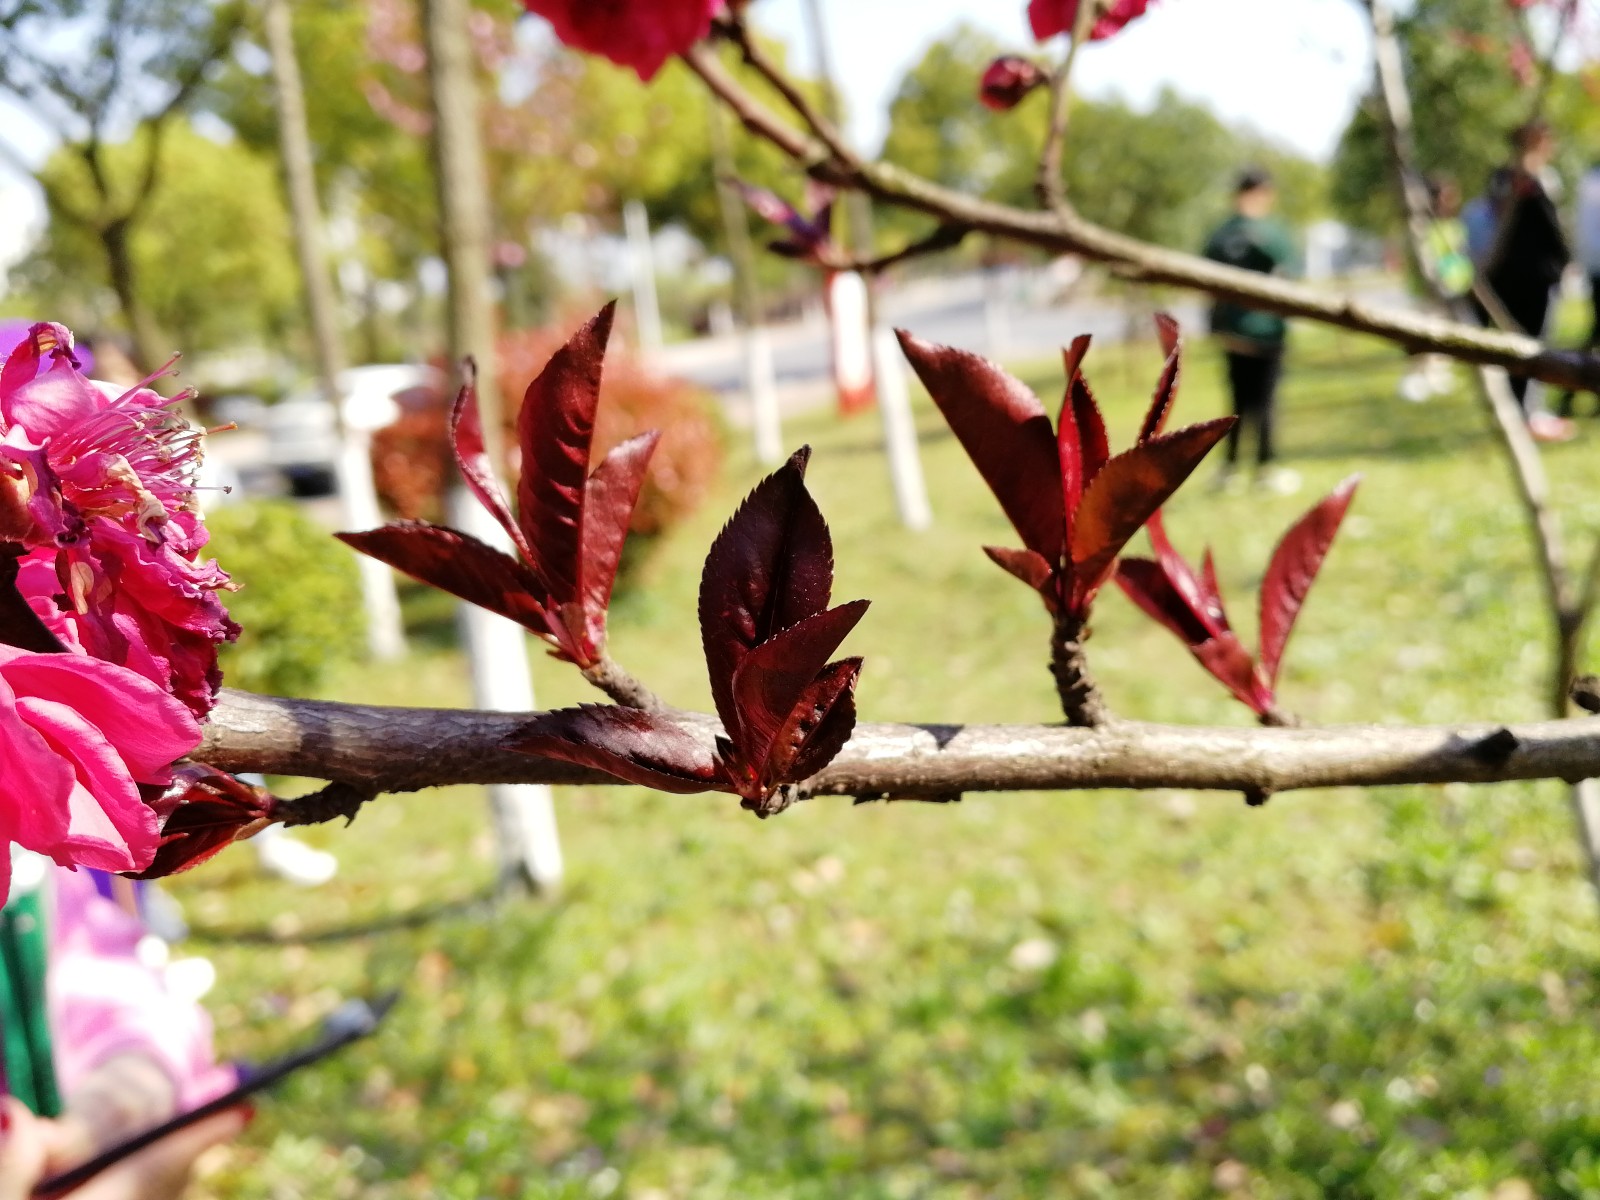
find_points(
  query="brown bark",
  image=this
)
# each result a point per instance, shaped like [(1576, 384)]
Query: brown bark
[(146, 340), (401, 749)]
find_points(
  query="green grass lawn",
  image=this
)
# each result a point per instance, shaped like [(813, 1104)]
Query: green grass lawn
[(1388, 993)]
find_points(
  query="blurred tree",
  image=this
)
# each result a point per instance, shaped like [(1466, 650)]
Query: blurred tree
[(200, 281), (108, 77), (1468, 90), (1162, 175), (371, 155)]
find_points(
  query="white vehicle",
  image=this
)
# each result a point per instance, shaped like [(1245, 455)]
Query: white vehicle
[(303, 433)]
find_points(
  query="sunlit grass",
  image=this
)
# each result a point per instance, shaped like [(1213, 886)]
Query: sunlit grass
[(1358, 994)]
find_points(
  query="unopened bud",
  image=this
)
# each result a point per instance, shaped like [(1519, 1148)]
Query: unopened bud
[(1008, 79)]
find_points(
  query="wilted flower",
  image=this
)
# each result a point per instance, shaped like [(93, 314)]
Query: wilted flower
[(77, 738), (641, 34), (1050, 17), (1007, 81)]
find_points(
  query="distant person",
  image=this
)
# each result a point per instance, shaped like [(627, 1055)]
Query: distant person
[(1251, 339), (1524, 263), (1447, 257), (1588, 238)]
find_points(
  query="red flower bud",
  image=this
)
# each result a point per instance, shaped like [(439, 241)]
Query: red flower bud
[(1008, 79)]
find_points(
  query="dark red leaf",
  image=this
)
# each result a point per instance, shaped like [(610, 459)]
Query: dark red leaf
[(555, 429), (1167, 386), (1145, 583), (1093, 447), (1080, 444), (458, 564), (634, 745), (1004, 430), (201, 813), (1024, 564), (609, 498), (1130, 487), (1293, 570), (1206, 605), (820, 724), (773, 677), (466, 436), (1208, 584), (1231, 664), (770, 567)]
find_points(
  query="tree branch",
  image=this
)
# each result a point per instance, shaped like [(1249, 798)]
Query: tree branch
[(372, 750), (945, 237), (1048, 186), (1068, 233)]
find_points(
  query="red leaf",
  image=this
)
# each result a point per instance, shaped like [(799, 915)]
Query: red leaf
[(820, 725), (1151, 588), (773, 677), (202, 812), (1127, 491), (1231, 664), (771, 567), (466, 436), (634, 745), (1077, 452), (1025, 565), (554, 429), (1203, 601), (458, 564), (1293, 570), (1093, 447), (1004, 430), (609, 498), (1167, 385), (1208, 583)]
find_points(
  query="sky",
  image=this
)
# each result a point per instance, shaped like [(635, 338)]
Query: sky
[(1293, 69)]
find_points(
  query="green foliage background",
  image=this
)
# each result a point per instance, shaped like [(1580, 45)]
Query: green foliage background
[(299, 597), (1382, 994)]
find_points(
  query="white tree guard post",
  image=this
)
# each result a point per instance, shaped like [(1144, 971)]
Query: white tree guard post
[(900, 432), (849, 327), (761, 386), (642, 267), (528, 841), (359, 413)]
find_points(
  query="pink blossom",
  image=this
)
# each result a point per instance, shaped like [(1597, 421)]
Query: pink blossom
[(1050, 17), (111, 451), (101, 488), (77, 738), (641, 34), (150, 606)]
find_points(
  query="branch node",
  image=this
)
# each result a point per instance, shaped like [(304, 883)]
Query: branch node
[(332, 802), (1496, 749), (1586, 693), (1257, 797)]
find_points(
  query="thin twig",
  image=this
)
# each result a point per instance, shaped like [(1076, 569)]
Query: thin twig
[(945, 237), (1068, 233), (615, 681), (1049, 186)]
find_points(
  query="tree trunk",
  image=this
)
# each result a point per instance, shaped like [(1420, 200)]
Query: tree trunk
[(385, 632), (146, 339)]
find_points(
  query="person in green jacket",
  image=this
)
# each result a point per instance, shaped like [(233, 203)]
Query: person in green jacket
[(1251, 339)]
